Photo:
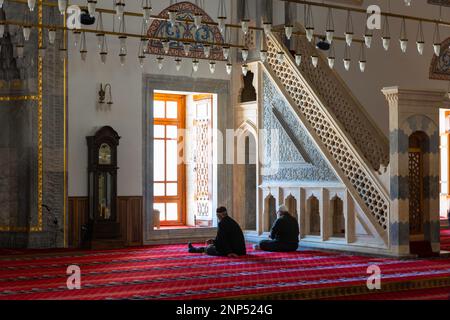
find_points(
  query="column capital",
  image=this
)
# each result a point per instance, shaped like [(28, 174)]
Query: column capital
[(420, 98)]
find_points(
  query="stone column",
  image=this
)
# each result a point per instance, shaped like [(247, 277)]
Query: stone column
[(413, 111)]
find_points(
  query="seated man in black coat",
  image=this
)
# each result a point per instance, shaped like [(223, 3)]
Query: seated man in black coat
[(229, 241), (284, 233)]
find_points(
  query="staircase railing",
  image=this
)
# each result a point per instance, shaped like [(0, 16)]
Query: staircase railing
[(333, 121)]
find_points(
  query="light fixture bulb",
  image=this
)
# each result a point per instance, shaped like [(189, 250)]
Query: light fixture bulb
[(76, 37), (172, 17), (31, 4), (229, 68), (226, 52), (347, 64), (51, 36), (166, 45), (349, 38), (83, 54), (212, 67), (195, 65), (141, 60), (120, 8), (280, 57), (207, 50), (403, 45), (160, 61), (147, 13), (368, 40), (62, 6), (386, 43), (20, 50), (437, 49), (298, 59), (315, 61), (122, 58), (263, 55), (329, 36), (178, 64), (91, 7), (221, 24), (198, 21), (331, 61), (267, 26), (244, 53), (103, 56), (362, 65), (2, 30), (244, 69), (186, 48), (244, 26), (26, 32), (420, 46), (309, 33), (288, 31)]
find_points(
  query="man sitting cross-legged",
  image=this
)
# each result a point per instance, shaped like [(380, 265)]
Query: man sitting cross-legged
[(284, 233), (229, 241)]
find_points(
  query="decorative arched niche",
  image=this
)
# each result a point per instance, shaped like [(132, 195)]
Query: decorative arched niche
[(313, 212), (270, 212), (337, 217), (291, 204)]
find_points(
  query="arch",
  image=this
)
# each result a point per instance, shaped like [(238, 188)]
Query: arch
[(185, 11), (313, 212), (337, 217), (291, 204), (270, 212), (419, 122), (418, 209), (246, 129), (248, 91)]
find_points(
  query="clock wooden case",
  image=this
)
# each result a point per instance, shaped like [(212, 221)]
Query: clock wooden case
[(102, 188)]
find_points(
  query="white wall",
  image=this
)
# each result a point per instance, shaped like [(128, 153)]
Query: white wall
[(125, 115), (384, 69)]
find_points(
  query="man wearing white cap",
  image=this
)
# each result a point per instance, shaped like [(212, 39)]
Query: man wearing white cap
[(284, 233)]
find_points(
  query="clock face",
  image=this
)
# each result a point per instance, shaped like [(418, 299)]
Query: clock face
[(104, 154)]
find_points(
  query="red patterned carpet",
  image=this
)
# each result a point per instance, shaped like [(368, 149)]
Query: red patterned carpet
[(445, 240), (420, 294), (169, 272)]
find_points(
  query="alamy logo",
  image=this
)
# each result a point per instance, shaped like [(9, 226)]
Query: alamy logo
[(373, 17), (73, 17), (74, 279), (374, 281)]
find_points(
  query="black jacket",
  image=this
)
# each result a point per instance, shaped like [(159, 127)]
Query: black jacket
[(230, 238), (285, 229)]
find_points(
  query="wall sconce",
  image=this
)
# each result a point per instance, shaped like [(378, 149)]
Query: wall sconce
[(102, 94)]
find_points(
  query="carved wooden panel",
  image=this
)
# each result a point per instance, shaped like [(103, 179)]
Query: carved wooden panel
[(202, 161), (78, 216), (130, 211), (415, 193)]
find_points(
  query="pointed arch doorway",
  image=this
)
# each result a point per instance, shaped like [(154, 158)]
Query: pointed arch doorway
[(418, 207)]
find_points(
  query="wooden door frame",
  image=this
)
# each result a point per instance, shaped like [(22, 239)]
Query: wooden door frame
[(181, 124)]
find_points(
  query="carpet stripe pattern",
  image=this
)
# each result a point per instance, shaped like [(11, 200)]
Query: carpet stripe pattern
[(169, 272)]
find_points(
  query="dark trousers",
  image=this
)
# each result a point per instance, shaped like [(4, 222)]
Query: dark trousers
[(277, 246), (210, 250)]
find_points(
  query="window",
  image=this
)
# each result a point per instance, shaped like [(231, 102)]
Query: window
[(169, 185)]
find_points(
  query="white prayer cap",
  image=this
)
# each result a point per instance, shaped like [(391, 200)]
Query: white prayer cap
[(283, 208)]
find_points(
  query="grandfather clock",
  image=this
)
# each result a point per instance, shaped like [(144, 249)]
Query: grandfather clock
[(102, 189)]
